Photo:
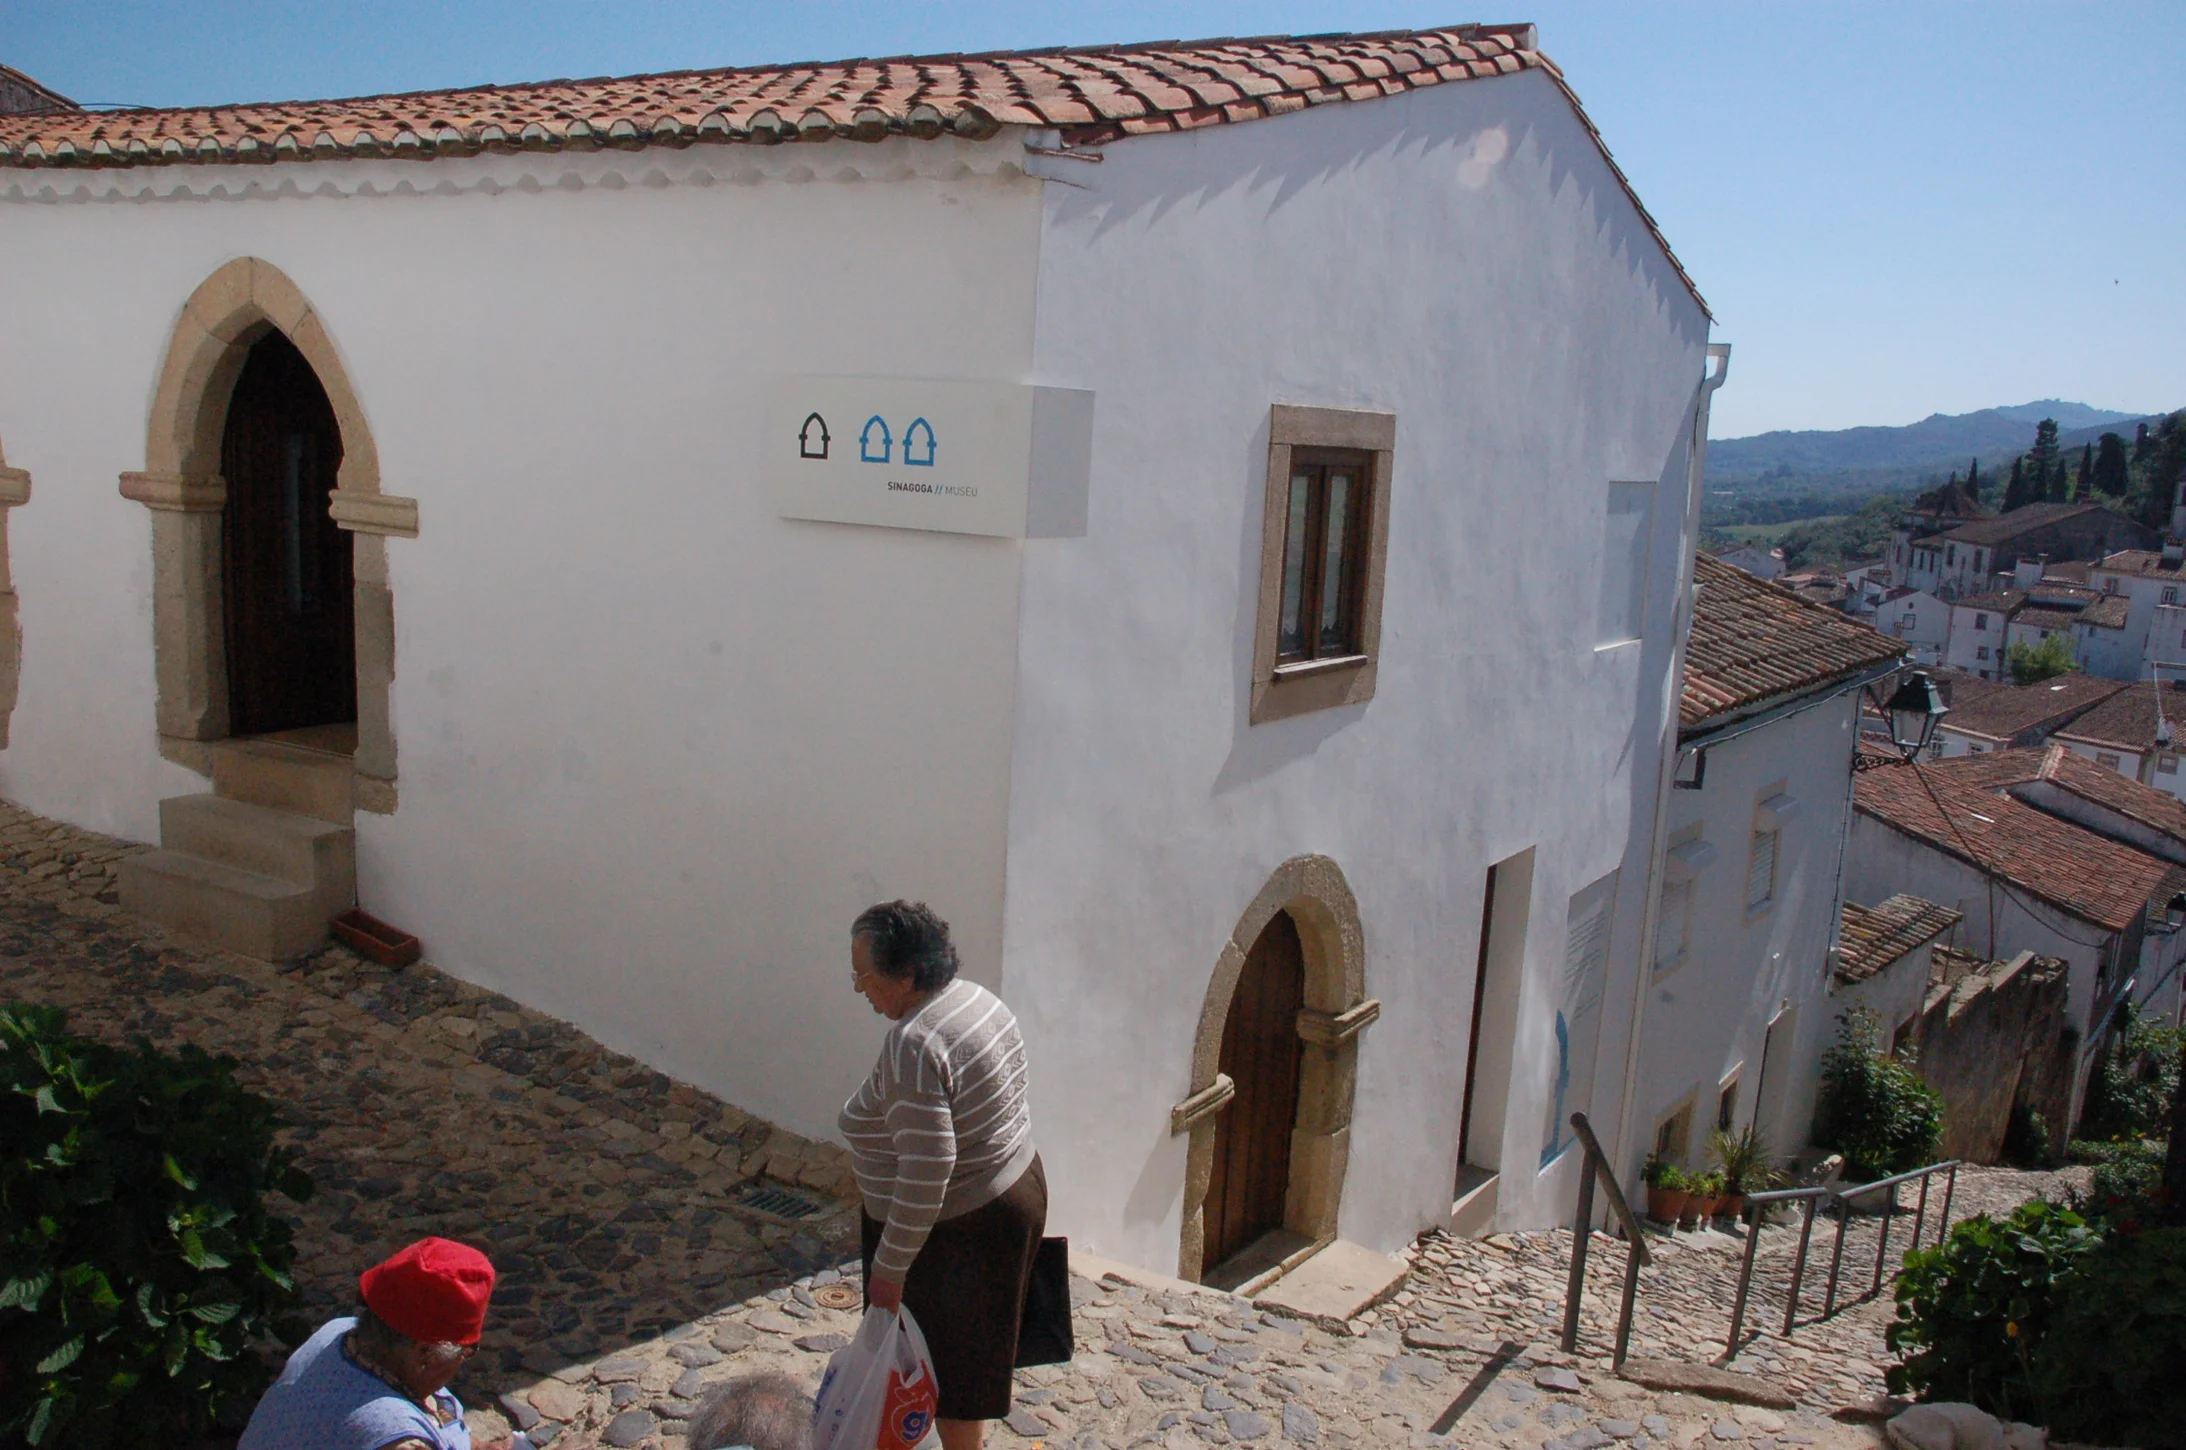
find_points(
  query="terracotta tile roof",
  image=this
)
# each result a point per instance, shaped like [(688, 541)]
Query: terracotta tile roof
[(2128, 717), (1754, 642), (2109, 612), (2033, 618), (2004, 713), (2072, 571), (2074, 870), (2155, 809), (2140, 561), (2006, 527), (1990, 770), (1092, 95), (1871, 938), (2003, 603)]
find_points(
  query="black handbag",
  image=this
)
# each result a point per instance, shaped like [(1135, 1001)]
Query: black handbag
[(1043, 1335)]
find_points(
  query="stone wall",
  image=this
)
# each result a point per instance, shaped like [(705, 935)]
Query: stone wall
[(1993, 1037)]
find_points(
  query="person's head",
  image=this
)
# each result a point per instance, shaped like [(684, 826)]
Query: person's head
[(424, 1310), (899, 952), (758, 1411)]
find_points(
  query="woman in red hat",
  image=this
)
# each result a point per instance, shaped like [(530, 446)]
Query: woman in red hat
[(379, 1380)]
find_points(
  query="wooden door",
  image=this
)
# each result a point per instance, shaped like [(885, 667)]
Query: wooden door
[(1261, 1052), (285, 565)]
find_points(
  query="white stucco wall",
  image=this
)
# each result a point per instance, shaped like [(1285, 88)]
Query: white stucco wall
[(1893, 994), (1708, 1011), (1973, 631), (1998, 923), (1460, 257), (657, 745)]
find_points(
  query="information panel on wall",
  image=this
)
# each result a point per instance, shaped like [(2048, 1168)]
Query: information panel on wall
[(1004, 459)]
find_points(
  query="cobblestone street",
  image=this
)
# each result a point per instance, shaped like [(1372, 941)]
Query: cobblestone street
[(633, 1276)]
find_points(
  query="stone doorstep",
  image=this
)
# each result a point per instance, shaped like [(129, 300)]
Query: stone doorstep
[(208, 902), (1672, 1377), (285, 778), (1335, 1286)]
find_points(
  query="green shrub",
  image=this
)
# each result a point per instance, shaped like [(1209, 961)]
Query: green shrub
[(1971, 1308), (1873, 1108), (2130, 1093), (2108, 1370), (2128, 1185), (139, 1265)]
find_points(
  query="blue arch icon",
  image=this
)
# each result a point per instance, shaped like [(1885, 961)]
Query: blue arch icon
[(867, 452), (919, 433)]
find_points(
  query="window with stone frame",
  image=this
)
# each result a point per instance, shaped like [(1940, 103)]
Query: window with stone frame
[(1323, 554)]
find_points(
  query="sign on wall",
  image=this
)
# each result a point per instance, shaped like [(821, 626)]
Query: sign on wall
[(1003, 459)]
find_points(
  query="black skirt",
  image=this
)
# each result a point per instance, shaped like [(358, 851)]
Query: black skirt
[(967, 1291)]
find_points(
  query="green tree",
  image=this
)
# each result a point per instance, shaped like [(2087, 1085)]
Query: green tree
[(2108, 477), (2084, 482), (1973, 479), (2044, 467), (2016, 492), (2032, 663)]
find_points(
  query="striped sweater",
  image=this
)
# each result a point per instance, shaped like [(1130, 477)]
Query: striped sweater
[(941, 1127)]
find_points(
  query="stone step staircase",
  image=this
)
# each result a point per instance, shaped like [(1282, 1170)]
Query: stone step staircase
[(261, 864)]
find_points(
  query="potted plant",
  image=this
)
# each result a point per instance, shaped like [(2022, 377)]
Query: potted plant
[(1666, 1188), (1744, 1159), (1696, 1199), (1708, 1195)]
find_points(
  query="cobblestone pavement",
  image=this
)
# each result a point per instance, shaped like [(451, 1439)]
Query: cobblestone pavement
[(632, 1277)]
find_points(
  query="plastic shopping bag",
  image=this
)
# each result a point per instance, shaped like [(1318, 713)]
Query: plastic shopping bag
[(879, 1393)]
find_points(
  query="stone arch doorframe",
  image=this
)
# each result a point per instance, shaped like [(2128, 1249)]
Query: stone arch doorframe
[(181, 485), (1313, 890)]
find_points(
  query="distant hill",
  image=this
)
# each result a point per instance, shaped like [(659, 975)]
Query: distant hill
[(1941, 440)]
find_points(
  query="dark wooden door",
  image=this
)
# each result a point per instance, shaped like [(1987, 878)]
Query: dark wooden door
[(285, 564), (1261, 1052)]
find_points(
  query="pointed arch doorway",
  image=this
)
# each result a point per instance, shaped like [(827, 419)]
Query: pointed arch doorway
[(1261, 1055), (287, 570)]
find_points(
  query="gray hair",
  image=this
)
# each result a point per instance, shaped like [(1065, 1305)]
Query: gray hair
[(377, 1336), (762, 1411), (909, 940)]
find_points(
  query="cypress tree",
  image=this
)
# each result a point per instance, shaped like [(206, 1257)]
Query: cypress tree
[(2044, 468), (2108, 475), (2015, 488), (2085, 481), (1973, 480)]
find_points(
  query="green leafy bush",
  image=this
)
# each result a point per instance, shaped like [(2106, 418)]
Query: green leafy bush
[(139, 1265), (2128, 1183), (1873, 1108), (2048, 1316), (1971, 1307), (2130, 1094), (2108, 1369)]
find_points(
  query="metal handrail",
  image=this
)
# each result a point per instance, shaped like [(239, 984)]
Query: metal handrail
[(1582, 1232), (1841, 1200)]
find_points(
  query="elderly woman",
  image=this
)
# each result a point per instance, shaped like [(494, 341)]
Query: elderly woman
[(941, 1138), (379, 1380)]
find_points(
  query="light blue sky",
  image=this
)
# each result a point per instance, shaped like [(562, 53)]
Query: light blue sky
[(1894, 209)]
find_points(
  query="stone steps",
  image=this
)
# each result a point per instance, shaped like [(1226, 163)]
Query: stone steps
[(259, 866)]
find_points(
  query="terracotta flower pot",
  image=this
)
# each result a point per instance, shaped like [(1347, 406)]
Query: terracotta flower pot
[(1665, 1204), (1731, 1205), (1691, 1217)]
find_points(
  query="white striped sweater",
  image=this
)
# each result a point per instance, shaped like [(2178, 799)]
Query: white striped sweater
[(942, 1126)]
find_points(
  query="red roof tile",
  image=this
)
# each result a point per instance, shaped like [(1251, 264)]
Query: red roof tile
[(1869, 939), (1094, 95), (2127, 719), (2074, 870), (2005, 713), (1753, 642), (2155, 809)]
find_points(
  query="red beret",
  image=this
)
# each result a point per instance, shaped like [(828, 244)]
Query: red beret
[(434, 1291)]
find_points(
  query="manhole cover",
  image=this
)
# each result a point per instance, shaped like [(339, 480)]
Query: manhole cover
[(835, 1296), (775, 1201)]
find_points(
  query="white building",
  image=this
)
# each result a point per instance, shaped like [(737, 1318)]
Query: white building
[(1976, 637), (2135, 733), (1044, 501), (1759, 562), (2011, 716), (1732, 1029), (1883, 960), (1918, 620), (2023, 880)]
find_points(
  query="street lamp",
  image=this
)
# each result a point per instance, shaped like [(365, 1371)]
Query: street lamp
[(1914, 712)]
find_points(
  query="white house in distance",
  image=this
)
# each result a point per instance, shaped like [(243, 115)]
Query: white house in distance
[(2022, 879), (1755, 560), (1033, 484), (2135, 732), (1731, 1031), (1883, 959), (2003, 717), (1975, 639), (1918, 620)]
